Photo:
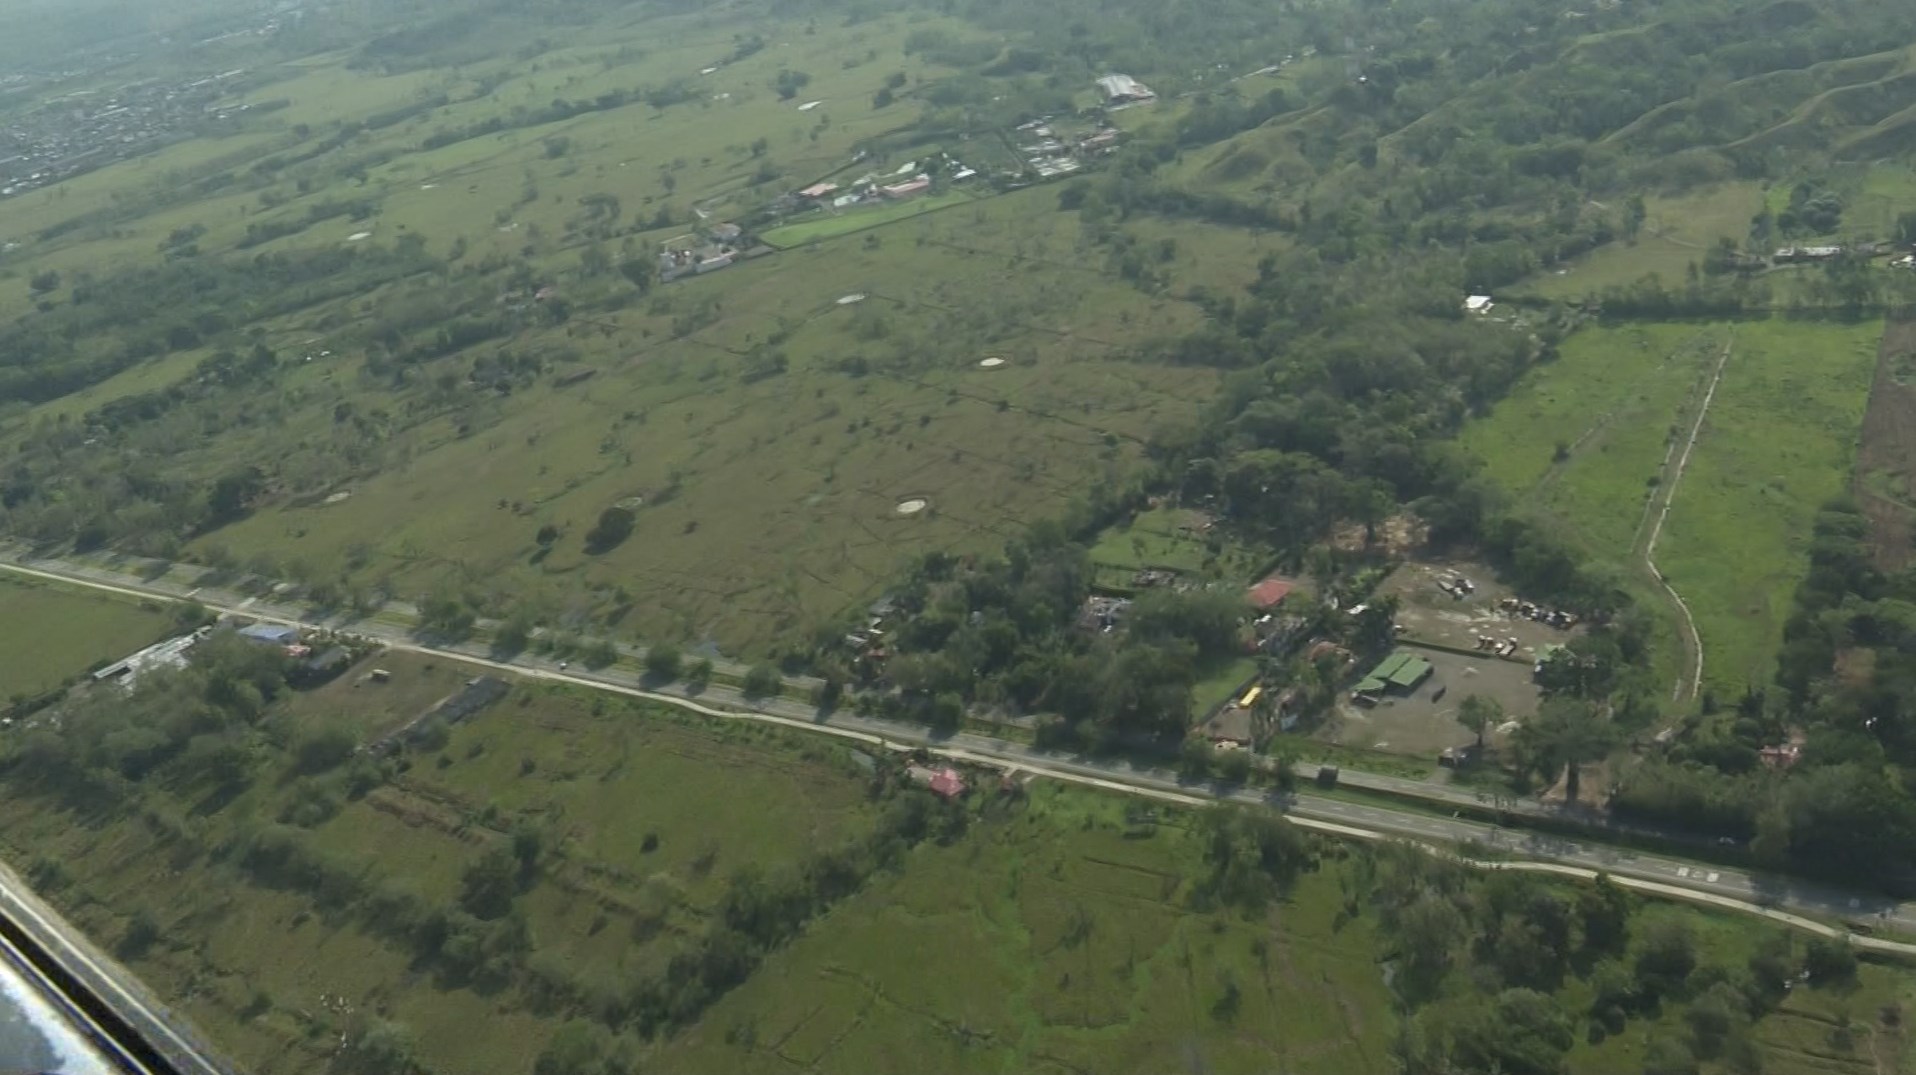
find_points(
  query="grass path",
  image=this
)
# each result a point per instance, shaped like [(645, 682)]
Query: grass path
[(1666, 493)]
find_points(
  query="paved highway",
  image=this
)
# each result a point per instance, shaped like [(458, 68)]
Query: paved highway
[(1777, 897)]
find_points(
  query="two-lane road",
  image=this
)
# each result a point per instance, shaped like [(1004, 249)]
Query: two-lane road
[(1776, 896)]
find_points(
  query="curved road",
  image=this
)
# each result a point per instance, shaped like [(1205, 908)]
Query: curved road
[(1777, 897)]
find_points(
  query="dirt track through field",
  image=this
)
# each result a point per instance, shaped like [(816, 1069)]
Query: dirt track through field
[(1885, 478), (1666, 492)]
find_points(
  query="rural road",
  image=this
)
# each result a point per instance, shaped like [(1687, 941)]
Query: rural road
[(1779, 898), (221, 599)]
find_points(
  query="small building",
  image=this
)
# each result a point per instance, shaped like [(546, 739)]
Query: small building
[(270, 634), (726, 233), (1123, 89), (1478, 304), (1399, 673), (819, 190), (171, 653), (1270, 593), (910, 189), (944, 783), (1784, 756)]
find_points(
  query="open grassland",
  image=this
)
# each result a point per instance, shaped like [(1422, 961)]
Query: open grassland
[(1677, 231), (1582, 439), (833, 224), (638, 851), (1780, 441), (768, 432), (49, 634), (769, 492), (1588, 439), (1055, 942)]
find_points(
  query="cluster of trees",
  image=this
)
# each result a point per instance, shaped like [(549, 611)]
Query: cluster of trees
[(1845, 808), (1006, 632), (1485, 961), (204, 726)]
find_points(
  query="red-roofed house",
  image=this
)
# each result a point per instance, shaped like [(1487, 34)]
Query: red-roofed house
[(943, 782), (948, 783), (818, 190), (1270, 593)]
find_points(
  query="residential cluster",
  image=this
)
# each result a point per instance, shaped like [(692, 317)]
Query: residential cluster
[(709, 249), (315, 658), (87, 129)]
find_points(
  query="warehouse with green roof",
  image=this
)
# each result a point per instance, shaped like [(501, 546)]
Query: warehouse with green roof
[(1400, 672)]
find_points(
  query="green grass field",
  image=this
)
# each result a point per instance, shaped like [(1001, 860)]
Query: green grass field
[(1779, 442), (49, 634), (1677, 232), (832, 225), (1053, 942), (639, 851), (768, 497)]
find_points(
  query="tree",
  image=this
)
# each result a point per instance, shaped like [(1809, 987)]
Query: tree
[(1830, 961), (1209, 619), (664, 662), (1234, 766), (614, 526), (514, 635), (789, 82), (699, 674), (1666, 954), (489, 885), (43, 282), (883, 98), (1522, 1032), (1477, 713), (1566, 735), (1377, 624), (577, 1048), (1253, 854), (1195, 756), (600, 653), (1428, 930), (826, 696), (763, 681), (643, 272), (232, 493), (142, 932), (323, 745), (528, 849), (1603, 911), (379, 1048), (1668, 1055), (446, 615)]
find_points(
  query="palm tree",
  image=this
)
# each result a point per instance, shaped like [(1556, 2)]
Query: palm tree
[(1567, 734)]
